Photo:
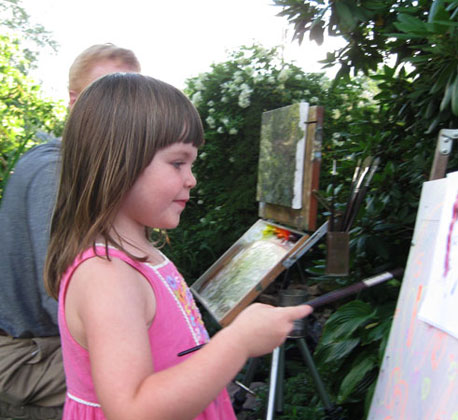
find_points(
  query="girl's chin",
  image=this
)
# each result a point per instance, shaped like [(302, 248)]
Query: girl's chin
[(169, 225)]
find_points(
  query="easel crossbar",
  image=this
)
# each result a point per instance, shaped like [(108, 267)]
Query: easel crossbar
[(309, 243)]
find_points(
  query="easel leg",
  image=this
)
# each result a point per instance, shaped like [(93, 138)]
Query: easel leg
[(277, 371), (273, 383), (300, 271), (314, 372), (279, 396)]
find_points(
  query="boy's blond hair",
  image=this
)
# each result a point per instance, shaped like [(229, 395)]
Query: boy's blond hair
[(90, 57)]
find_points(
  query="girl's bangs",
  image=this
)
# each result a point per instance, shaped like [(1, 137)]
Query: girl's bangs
[(192, 130)]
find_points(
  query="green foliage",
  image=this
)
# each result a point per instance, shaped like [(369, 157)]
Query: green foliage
[(26, 116), (420, 34), (23, 110), (300, 397), (231, 98), (366, 27), (15, 22), (433, 40), (351, 348), (416, 96)]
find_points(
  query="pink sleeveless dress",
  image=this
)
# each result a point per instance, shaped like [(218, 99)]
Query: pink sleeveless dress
[(177, 326)]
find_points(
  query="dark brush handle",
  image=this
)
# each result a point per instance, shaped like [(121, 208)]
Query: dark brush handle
[(354, 288)]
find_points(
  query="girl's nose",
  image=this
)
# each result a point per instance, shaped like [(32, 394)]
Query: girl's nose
[(190, 181)]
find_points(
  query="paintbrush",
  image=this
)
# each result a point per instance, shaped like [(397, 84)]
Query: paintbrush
[(332, 218), (354, 288), (355, 191), (334, 295), (362, 193), (352, 188), (321, 200)]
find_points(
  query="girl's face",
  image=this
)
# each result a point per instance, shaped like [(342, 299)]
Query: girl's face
[(162, 190)]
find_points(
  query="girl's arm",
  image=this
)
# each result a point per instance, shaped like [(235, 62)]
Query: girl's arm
[(111, 307)]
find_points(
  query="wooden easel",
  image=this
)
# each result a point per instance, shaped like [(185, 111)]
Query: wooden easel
[(301, 221), (300, 217), (442, 153)]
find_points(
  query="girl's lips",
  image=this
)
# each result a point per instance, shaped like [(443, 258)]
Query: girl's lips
[(181, 203)]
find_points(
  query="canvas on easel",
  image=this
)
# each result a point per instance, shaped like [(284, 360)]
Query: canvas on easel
[(418, 378), (288, 171), (299, 169), (281, 155)]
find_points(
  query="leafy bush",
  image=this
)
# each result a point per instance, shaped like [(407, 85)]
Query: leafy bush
[(27, 118), (23, 110)]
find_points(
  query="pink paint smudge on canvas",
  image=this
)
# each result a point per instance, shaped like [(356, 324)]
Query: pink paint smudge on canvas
[(449, 241)]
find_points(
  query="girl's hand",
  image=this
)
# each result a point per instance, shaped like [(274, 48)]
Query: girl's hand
[(260, 328)]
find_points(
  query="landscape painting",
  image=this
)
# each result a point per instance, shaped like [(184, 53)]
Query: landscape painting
[(282, 155)]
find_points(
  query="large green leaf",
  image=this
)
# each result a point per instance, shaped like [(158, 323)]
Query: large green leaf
[(435, 7), (346, 320), (454, 95), (337, 350), (363, 364), (441, 76), (448, 93), (409, 24), (346, 17)]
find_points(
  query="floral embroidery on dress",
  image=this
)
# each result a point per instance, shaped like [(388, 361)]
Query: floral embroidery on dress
[(184, 296)]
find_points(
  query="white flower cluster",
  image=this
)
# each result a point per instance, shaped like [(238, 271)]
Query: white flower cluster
[(252, 70), (284, 75), (244, 97), (197, 98), (337, 139), (210, 121)]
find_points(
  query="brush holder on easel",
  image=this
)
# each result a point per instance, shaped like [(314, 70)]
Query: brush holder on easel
[(337, 253)]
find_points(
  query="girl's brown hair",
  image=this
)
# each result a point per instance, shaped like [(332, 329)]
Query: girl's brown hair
[(113, 132)]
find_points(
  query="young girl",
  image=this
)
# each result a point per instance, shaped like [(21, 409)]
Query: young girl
[(124, 311)]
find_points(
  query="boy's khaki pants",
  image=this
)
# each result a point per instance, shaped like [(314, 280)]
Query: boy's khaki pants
[(32, 380)]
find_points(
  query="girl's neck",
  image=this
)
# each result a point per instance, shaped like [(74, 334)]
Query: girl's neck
[(131, 236), (137, 246)]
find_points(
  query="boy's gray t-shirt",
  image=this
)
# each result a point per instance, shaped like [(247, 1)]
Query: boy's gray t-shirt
[(26, 310)]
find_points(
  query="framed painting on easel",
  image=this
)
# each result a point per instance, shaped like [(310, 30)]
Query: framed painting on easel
[(289, 163)]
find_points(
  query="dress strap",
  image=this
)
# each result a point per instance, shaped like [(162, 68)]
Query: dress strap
[(81, 401)]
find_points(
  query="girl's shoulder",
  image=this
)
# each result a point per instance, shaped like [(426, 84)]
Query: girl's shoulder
[(99, 289), (105, 267), (98, 269), (106, 276)]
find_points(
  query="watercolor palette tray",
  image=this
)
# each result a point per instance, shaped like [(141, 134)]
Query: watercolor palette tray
[(246, 269)]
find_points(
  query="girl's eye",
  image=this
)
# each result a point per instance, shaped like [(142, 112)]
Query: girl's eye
[(177, 165)]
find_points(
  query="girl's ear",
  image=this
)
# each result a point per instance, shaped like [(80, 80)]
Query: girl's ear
[(73, 96)]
